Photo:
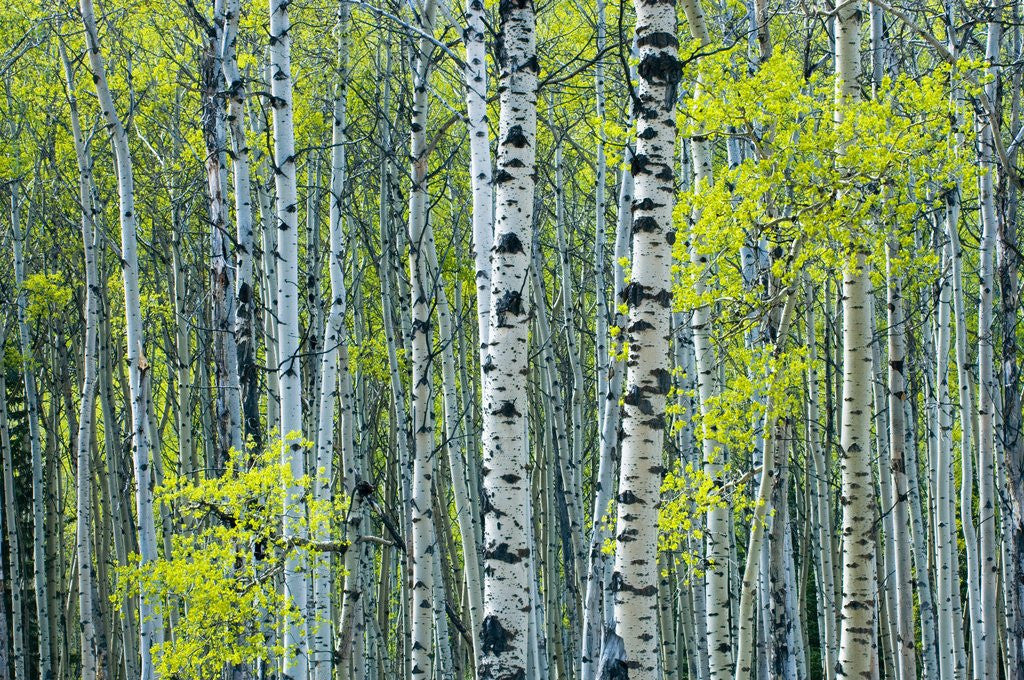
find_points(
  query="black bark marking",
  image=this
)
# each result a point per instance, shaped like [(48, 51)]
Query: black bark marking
[(508, 243), (511, 302), (645, 223), (516, 137), (493, 636), (507, 410)]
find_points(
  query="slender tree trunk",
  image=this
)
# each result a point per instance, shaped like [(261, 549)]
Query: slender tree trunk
[(225, 351), (597, 562), (857, 647), (424, 538), (293, 442), (987, 386), (897, 449), (39, 558), (90, 652), (632, 640), (822, 510), (151, 625), (770, 476), (13, 542), (475, 75), (964, 381), (245, 308), (322, 650), (504, 630)]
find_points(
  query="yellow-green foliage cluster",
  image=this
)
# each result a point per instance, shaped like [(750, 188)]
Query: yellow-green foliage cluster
[(47, 295), (688, 494), (219, 581), (844, 186)]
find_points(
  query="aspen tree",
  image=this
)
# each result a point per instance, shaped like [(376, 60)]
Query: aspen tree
[(244, 301), (39, 560), (601, 356), (597, 561), (717, 594), (987, 387), (13, 543), (333, 361), (151, 625), (898, 463), (964, 381), (475, 76), (228, 401), (857, 648), (632, 642), (943, 548), (293, 443), (507, 553), (91, 653), (424, 536), (822, 511), (774, 457), (5, 646)]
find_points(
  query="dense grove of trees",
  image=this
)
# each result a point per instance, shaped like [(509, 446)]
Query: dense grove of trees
[(366, 339)]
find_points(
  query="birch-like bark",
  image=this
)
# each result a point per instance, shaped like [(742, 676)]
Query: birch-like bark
[(475, 75), (745, 654), (424, 540), (244, 302), (39, 561), (293, 452), (466, 514), (822, 497), (857, 646), (1010, 437), (504, 629), (322, 651), (597, 561), (228, 401), (90, 651), (897, 447), (13, 542), (574, 453), (941, 470), (601, 177), (150, 623), (632, 641), (717, 594), (987, 386), (964, 382)]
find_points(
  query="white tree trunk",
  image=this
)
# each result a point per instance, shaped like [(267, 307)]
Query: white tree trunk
[(475, 74), (151, 625), (322, 650), (964, 382), (292, 446), (13, 542), (987, 385), (244, 301), (424, 537), (214, 120), (822, 506), (857, 645), (632, 641), (39, 561), (91, 653), (897, 448), (504, 630), (597, 561)]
